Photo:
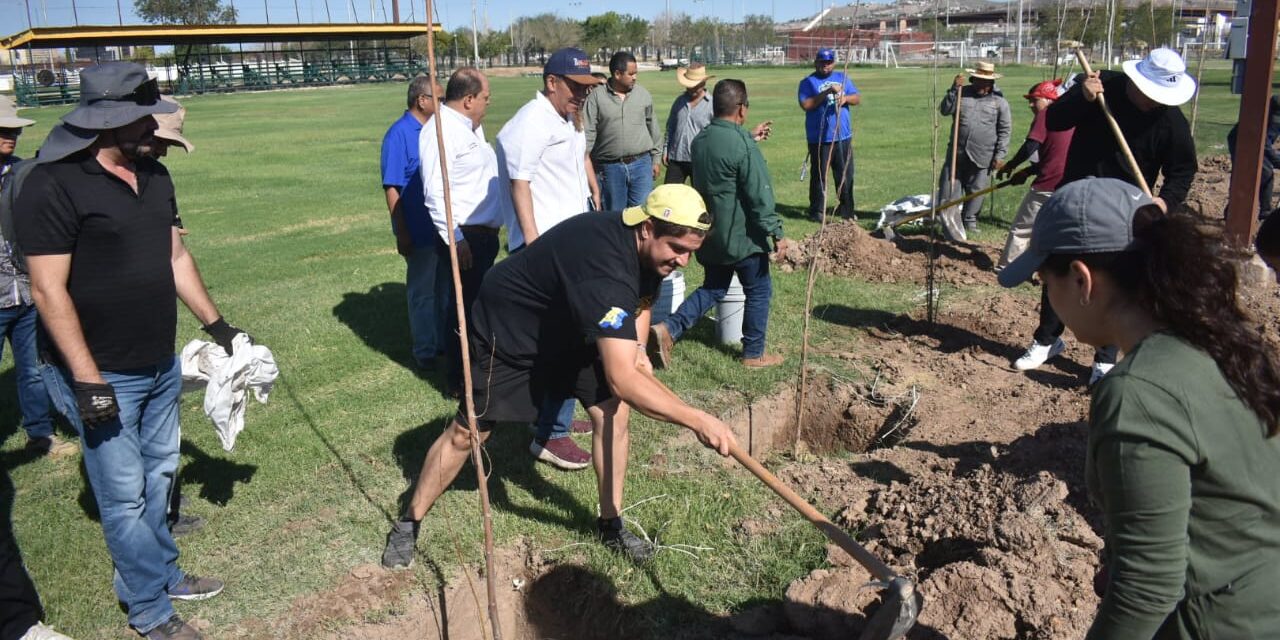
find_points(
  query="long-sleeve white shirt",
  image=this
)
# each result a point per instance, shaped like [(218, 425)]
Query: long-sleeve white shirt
[(479, 196)]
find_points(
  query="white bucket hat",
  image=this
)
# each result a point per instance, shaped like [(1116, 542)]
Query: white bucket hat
[(1162, 76)]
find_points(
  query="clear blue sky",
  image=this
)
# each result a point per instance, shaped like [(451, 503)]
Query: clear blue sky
[(453, 13)]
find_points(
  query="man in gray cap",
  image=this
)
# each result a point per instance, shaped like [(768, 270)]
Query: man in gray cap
[(107, 266), (18, 317)]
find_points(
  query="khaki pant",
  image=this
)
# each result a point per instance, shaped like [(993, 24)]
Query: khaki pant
[(1020, 230)]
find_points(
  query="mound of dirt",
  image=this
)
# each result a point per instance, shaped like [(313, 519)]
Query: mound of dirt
[(1211, 188), (846, 249)]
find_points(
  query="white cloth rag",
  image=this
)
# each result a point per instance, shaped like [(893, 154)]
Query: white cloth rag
[(228, 380)]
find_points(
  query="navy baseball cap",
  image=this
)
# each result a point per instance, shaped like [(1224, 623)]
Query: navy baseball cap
[(1094, 215), (826, 55), (570, 63)]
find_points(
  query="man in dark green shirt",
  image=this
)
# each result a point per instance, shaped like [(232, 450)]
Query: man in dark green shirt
[(730, 173)]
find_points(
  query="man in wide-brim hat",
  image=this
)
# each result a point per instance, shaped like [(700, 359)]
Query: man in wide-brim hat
[(100, 235), (985, 125), (690, 114)]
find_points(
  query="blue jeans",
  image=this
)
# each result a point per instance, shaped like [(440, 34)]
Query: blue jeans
[(131, 462), (625, 185), (19, 325), (427, 281), (554, 418), (753, 274)]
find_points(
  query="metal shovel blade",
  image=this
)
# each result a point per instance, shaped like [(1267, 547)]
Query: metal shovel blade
[(951, 217), (897, 613)]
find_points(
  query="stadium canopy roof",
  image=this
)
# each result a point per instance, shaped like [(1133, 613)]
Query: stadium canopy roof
[(128, 35)]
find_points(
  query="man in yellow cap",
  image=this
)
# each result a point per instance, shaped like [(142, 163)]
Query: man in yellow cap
[(559, 320)]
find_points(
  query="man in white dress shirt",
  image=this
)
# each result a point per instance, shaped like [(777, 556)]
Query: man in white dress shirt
[(481, 200)]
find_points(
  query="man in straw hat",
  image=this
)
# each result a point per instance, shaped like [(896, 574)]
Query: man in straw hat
[(107, 267), (168, 131), (985, 125), (18, 317), (823, 95), (690, 114), (1144, 100), (565, 318), (20, 616)]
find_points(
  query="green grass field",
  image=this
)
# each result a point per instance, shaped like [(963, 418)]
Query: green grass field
[(287, 221)]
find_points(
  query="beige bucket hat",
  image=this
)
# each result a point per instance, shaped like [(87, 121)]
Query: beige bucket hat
[(9, 115), (170, 125), (692, 75), (984, 71)]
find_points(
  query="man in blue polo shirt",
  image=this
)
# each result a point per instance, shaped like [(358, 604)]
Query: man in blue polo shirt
[(426, 273), (823, 95)]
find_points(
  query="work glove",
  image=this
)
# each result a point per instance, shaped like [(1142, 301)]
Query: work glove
[(223, 334), (96, 402)]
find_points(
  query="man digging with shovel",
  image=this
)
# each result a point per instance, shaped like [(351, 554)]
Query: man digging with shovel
[(981, 137), (558, 320)]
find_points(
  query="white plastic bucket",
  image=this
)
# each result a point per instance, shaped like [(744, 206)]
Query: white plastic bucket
[(670, 297), (729, 314)]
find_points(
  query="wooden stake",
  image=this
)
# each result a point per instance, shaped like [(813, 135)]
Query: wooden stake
[(467, 382), (813, 262)]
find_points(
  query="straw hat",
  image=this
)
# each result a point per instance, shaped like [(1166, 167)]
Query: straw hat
[(9, 115), (692, 76), (170, 125), (1162, 76), (984, 71)]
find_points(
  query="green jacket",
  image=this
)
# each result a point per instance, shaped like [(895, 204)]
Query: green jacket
[(730, 173), (1189, 487)]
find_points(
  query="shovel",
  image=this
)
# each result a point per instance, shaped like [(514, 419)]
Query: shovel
[(887, 223), (900, 604), (952, 225)]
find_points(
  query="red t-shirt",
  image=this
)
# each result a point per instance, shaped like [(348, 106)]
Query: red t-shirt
[(1052, 153)]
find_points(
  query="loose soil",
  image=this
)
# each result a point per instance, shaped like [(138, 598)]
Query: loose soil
[(961, 473), (846, 249)]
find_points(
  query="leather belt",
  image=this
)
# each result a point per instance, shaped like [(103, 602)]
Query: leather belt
[(625, 159)]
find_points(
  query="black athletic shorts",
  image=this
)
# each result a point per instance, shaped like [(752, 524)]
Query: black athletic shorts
[(505, 392)]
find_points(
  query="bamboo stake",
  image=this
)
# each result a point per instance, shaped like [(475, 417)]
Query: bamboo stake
[(467, 382), (813, 263)]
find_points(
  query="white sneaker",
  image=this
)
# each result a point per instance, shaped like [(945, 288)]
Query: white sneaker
[(1038, 354), (41, 632), (1100, 369)]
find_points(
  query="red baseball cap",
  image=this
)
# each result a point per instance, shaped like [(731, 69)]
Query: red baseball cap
[(1047, 90)]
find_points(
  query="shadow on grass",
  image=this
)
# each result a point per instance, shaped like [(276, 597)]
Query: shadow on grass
[(380, 318), (508, 461), (217, 477), (21, 603), (572, 601)]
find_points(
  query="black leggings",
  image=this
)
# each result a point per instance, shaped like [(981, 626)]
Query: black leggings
[(678, 172)]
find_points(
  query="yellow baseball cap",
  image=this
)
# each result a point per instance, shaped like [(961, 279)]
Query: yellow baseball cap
[(675, 203)]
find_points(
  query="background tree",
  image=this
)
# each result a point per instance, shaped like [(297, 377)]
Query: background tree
[(1147, 26), (184, 11), (602, 34), (635, 34)]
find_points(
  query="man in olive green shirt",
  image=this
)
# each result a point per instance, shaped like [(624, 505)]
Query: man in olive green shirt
[(730, 173), (623, 138)]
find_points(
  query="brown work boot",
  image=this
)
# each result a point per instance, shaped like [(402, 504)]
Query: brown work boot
[(660, 345), (766, 360)]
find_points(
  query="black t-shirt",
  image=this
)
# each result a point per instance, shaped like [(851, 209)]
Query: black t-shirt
[(120, 243), (550, 302)]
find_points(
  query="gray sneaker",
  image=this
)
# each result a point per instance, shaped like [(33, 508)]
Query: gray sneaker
[(402, 543), (174, 629), (195, 588), (613, 533)]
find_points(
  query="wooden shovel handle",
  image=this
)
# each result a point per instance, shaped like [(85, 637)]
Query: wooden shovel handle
[(873, 564), (1115, 129), (955, 131)]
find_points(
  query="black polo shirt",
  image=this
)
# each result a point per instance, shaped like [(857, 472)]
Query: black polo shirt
[(120, 243), (581, 281)]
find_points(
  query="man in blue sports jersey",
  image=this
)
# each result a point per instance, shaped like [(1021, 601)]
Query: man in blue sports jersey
[(823, 95)]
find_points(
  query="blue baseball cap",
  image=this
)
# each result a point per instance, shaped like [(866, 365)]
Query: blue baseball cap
[(1094, 215), (826, 55), (571, 63)]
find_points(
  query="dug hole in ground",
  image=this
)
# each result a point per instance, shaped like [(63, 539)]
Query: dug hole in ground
[(961, 473)]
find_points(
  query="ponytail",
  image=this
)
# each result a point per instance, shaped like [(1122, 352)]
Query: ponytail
[(1179, 276)]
